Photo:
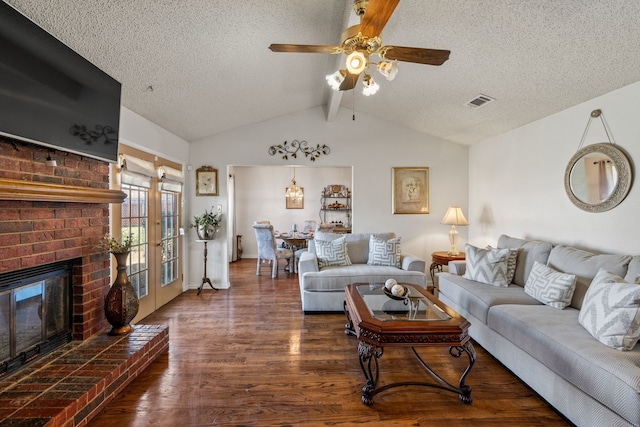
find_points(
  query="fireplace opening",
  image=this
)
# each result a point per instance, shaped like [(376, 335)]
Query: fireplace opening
[(35, 313)]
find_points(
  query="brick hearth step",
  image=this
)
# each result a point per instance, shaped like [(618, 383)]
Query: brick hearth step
[(72, 384)]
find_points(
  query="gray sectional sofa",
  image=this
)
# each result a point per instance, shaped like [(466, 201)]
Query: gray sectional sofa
[(322, 288), (590, 383)]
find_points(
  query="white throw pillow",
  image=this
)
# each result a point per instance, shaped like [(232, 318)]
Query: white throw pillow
[(549, 286), (384, 252), (611, 310), (486, 265), (332, 252)]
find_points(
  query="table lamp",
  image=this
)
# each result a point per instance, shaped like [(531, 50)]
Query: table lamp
[(454, 216)]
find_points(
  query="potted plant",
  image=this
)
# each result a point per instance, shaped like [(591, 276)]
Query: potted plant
[(207, 224), (115, 246)]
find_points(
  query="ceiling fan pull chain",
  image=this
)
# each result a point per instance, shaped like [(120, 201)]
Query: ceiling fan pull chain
[(353, 97)]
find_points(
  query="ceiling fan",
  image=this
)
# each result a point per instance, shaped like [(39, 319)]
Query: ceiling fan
[(361, 41)]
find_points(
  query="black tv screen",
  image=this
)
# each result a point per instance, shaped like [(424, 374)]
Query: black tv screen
[(52, 96)]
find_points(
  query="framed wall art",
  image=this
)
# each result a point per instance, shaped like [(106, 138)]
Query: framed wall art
[(410, 190), (206, 181)]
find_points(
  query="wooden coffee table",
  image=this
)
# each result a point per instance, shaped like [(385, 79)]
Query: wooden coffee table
[(418, 320)]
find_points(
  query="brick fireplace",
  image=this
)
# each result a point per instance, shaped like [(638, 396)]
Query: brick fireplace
[(50, 214), (47, 215)]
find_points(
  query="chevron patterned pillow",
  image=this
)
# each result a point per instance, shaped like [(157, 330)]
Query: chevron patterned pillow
[(384, 252), (611, 310), (549, 286), (332, 252), (511, 263), (487, 266)]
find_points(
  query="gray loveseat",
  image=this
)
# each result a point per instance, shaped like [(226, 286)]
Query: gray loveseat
[(590, 383), (322, 288)]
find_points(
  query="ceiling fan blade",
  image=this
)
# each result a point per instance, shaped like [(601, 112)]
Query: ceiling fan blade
[(417, 55), (376, 16), (349, 81), (304, 48)]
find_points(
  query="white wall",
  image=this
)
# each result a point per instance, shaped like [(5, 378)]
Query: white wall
[(517, 179), (260, 196), (370, 145)]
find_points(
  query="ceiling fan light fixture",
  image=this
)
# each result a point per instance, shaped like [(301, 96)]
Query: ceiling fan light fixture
[(370, 86), (356, 62), (388, 69), (336, 79)]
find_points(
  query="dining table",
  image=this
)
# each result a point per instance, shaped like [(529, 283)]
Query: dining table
[(293, 241)]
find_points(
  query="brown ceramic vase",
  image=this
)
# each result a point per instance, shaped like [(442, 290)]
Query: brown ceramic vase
[(121, 303)]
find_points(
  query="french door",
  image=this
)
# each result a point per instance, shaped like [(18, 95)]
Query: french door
[(151, 215)]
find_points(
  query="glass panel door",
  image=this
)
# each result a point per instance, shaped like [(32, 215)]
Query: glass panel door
[(169, 237), (152, 217), (134, 220)]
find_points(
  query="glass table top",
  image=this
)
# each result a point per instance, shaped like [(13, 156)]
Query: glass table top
[(413, 307)]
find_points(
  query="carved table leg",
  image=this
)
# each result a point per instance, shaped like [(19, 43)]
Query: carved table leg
[(433, 269), (465, 390), (369, 355), (348, 328)]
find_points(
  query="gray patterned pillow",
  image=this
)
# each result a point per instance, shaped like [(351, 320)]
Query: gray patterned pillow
[(549, 286), (511, 263), (384, 252), (486, 265), (332, 252), (611, 310)]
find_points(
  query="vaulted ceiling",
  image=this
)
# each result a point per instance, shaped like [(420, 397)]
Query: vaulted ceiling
[(199, 68)]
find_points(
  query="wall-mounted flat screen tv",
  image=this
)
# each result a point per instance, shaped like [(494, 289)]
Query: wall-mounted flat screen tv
[(52, 96)]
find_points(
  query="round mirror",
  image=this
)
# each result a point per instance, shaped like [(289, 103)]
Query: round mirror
[(598, 177)]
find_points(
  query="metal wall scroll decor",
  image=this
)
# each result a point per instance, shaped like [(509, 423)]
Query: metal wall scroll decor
[(296, 146), (106, 134)]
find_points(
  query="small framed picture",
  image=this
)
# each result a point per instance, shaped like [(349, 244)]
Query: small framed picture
[(410, 190), (206, 181)]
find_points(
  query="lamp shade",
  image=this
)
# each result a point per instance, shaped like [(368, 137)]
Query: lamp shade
[(454, 216), (336, 79), (369, 86), (388, 69)]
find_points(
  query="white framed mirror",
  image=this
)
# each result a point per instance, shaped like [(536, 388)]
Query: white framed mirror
[(598, 177)]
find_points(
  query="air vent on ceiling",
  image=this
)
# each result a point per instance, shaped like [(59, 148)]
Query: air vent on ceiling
[(479, 101)]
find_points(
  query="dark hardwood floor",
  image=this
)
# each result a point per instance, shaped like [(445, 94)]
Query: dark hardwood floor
[(248, 356)]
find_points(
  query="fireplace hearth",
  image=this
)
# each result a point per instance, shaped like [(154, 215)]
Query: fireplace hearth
[(35, 313)]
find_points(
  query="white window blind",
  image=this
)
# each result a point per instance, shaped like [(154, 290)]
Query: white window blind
[(135, 171), (170, 179)]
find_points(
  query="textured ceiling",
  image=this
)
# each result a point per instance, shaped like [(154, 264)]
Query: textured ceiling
[(211, 70)]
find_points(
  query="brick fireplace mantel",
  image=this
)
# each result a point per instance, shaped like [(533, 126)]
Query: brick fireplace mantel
[(14, 189)]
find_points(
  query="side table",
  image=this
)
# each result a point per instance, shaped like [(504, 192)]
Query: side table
[(438, 259), (205, 279)]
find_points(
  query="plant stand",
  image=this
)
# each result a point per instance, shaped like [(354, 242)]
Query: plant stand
[(205, 279)]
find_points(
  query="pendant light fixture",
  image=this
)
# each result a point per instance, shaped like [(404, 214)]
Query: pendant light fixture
[(294, 193)]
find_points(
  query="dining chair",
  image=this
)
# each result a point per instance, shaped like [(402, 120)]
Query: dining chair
[(269, 251), (309, 225)]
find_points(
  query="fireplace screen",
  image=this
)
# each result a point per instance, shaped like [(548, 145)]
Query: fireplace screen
[(35, 310)]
